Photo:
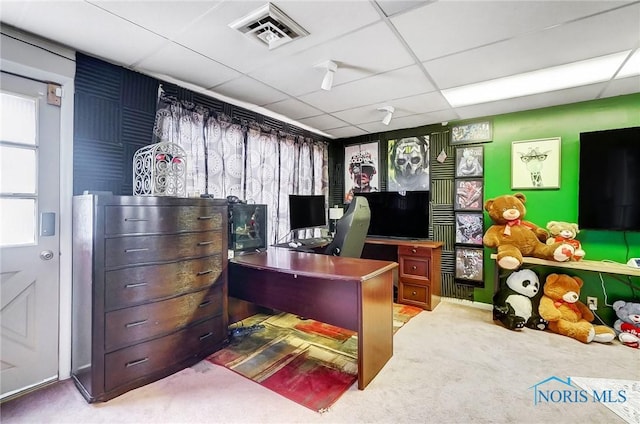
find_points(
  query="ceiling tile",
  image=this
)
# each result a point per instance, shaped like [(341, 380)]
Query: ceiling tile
[(250, 90), (166, 18), (293, 108), (345, 132), (599, 35), (323, 122), (454, 26), (369, 51), (379, 88), (170, 60), (622, 86)]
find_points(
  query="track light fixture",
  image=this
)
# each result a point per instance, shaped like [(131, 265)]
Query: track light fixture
[(330, 67), (387, 118)]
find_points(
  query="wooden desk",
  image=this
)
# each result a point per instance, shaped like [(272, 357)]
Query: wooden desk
[(356, 294)]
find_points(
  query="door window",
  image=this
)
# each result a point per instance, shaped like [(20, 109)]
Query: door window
[(18, 170)]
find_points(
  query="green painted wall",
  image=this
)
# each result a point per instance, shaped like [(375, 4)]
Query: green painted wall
[(567, 122)]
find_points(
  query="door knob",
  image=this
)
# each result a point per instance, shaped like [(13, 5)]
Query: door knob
[(46, 255)]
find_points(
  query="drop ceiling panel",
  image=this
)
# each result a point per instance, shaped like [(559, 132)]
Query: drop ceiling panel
[(250, 90), (345, 132), (202, 71), (166, 18), (360, 54), (323, 122), (454, 26), (622, 86), (599, 35), (83, 27), (379, 88), (323, 20), (293, 108)]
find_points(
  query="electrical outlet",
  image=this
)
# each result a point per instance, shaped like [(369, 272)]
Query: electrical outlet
[(592, 302)]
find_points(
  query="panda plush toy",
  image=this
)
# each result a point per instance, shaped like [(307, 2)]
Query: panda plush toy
[(516, 303)]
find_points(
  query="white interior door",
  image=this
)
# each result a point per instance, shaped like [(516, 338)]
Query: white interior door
[(29, 234)]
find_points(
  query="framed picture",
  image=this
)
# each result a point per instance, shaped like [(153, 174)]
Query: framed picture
[(408, 164), (472, 132), (469, 228), (469, 265), (535, 164), (360, 169), (468, 195), (469, 161)]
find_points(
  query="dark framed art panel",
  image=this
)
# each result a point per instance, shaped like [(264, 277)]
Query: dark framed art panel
[(469, 265), (471, 132), (469, 161), (360, 169), (469, 228), (468, 194)]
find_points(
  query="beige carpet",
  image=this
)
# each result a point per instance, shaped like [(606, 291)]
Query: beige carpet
[(452, 365)]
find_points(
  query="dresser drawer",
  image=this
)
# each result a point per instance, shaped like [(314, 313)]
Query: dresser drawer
[(144, 359), (132, 286), (415, 268), (122, 251), (423, 252), (161, 219), (415, 294), (126, 326)]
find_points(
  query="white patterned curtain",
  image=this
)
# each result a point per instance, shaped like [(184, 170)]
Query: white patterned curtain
[(253, 162), (182, 123)]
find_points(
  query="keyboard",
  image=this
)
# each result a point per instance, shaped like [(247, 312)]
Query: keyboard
[(313, 242)]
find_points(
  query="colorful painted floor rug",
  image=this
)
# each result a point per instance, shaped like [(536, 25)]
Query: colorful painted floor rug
[(306, 361)]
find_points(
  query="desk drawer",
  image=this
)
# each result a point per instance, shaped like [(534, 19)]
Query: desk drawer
[(132, 286), (127, 326), (132, 250), (413, 294), (415, 268), (144, 359), (423, 252), (161, 219)]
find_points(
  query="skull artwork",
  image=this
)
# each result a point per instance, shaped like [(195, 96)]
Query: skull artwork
[(409, 158)]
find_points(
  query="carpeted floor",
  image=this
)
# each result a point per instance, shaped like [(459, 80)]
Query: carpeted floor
[(306, 361)]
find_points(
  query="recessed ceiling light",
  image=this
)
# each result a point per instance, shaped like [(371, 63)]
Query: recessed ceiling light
[(575, 74)]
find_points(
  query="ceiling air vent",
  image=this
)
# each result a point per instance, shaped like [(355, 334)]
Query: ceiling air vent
[(269, 25)]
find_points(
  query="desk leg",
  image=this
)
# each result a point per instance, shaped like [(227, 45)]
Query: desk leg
[(375, 327)]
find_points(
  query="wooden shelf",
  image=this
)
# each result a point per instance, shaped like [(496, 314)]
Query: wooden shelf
[(585, 265)]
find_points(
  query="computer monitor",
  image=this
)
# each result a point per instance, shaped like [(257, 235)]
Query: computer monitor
[(307, 211)]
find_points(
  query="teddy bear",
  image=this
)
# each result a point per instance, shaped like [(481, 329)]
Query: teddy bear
[(560, 305), (565, 232), (628, 323), (514, 237), (516, 304)]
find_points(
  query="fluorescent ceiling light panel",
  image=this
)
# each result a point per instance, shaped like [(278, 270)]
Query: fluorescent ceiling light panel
[(631, 68), (575, 74)]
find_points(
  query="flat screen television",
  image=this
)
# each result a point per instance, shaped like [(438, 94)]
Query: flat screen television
[(609, 180), (307, 211), (399, 214), (247, 227)]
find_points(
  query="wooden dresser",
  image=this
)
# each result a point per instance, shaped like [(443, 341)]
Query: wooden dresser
[(149, 289), (419, 271)]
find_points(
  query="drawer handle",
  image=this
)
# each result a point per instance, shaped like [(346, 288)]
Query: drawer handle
[(203, 304), (135, 220), (209, 271), (134, 285), (136, 362), (135, 324), (414, 293), (414, 268), (139, 249), (414, 250), (204, 243), (202, 218), (205, 336)]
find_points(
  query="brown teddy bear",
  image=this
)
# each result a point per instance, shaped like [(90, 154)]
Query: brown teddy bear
[(565, 232), (566, 314), (514, 237)]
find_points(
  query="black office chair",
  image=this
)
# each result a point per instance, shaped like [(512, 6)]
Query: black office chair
[(351, 230)]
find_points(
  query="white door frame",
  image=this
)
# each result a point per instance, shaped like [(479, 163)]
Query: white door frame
[(32, 57)]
